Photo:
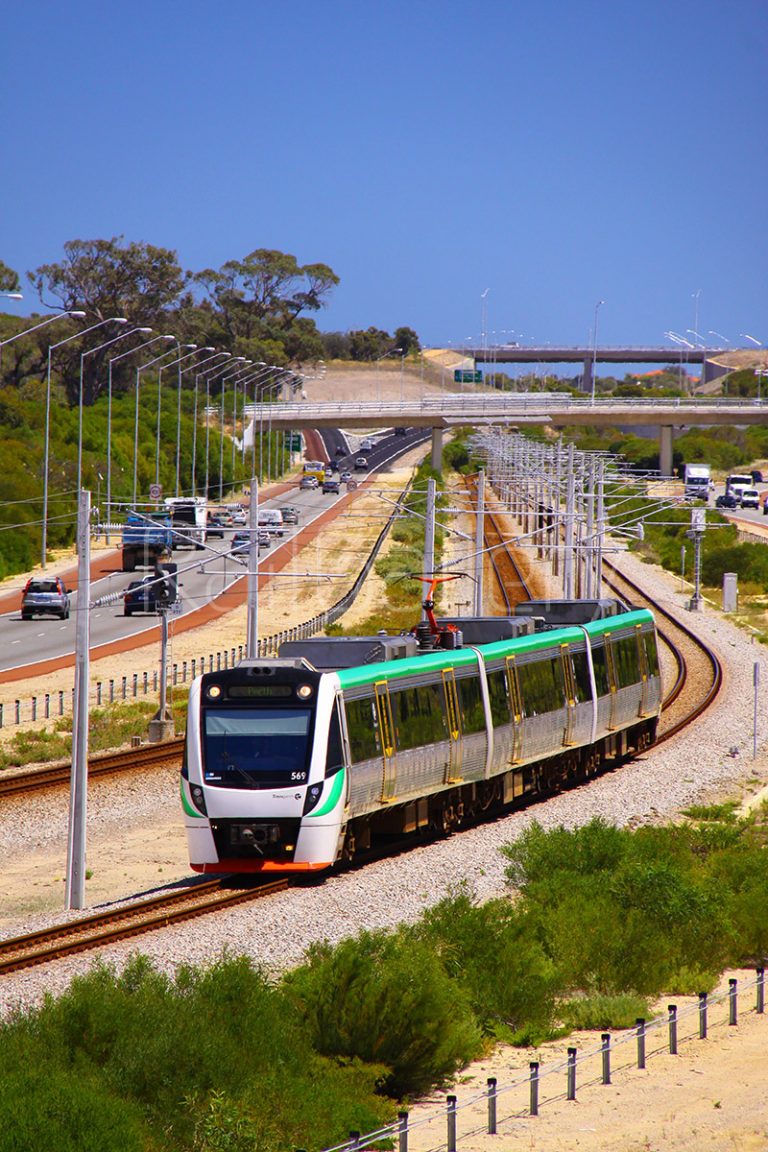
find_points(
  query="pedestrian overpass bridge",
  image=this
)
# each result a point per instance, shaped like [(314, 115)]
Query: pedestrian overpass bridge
[(514, 410)]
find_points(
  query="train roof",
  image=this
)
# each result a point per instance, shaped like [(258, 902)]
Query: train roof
[(439, 658)]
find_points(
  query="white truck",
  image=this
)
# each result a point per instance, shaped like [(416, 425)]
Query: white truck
[(698, 480), (189, 516)]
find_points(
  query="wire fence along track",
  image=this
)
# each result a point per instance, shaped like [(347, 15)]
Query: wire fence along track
[(511, 1105), (511, 583), (197, 898)]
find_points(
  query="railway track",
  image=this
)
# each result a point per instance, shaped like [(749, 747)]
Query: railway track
[(197, 898), (15, 783)]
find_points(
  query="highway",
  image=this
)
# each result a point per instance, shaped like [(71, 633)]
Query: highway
[(202, 575)]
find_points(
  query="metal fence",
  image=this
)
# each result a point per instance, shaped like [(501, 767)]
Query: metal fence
[(52, 705), (487, 1111)]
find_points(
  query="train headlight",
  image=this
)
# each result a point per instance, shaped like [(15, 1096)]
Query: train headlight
[(198, 798), (304, 691), (314, 792), (214, 691)]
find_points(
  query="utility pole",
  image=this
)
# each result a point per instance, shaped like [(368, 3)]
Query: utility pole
[(78, 797), (479, 543), (429, 535), (252, 640)]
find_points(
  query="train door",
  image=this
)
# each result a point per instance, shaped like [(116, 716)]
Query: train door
[(387, 735), (642, 663), (610, 663), (453, 714), (569, 682), (516, 706)]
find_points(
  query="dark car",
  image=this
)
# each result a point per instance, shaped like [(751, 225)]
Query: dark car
[(331, 486), (757, 476), (45, 596), (726, 501), (214, 526), (140, 596), (340, 450), (399, 431)]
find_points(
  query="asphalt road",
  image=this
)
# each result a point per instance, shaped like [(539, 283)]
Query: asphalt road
[(202, 575)]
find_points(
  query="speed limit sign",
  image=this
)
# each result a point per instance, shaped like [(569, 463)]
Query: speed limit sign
[(155, 491)]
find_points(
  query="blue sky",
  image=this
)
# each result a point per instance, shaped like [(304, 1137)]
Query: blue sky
[(555, 153)]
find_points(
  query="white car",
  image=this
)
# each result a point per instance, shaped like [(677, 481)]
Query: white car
[(750, 498)]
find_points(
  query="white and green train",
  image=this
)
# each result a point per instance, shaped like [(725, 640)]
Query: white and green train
[(292, 764)]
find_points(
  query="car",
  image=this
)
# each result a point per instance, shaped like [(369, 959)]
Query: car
[(750, 498), (361, 464), (331, 486), (214, 526), (340, 450), (140, 596), (264, 538), (45, 596), (290, 514), (366, 445), (241, 541), (400, 431), (345, 476), (308, 483), (757, 475), (726, 500)]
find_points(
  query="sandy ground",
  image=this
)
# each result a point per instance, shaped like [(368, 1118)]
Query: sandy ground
[(709, 1098)]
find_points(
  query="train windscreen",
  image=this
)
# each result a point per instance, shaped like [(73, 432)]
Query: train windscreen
[(264, 749)]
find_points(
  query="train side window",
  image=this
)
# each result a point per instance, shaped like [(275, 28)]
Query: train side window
[(363, 728), (335, 754), (498, 690), (418, 716), (541, 686), (581, 676), (471, 700), (627, 662), (600, 664)]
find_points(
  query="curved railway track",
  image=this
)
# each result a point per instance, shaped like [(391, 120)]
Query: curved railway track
[(21, 782), (697, 681)]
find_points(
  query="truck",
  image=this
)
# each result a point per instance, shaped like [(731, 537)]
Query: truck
[(189, 516), (736, 483), (698, 480), (146, 538)]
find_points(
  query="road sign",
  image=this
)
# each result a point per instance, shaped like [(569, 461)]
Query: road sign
[(467, 376), (155, 491)]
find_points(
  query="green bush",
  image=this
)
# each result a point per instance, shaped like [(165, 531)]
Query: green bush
[(598, 1013), (386, 999), (493, 952)]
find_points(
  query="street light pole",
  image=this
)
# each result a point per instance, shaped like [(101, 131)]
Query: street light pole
[(594, 350), (46, 450), (83, 355), (139, 370), (159, 401), (42, 324), (130, 352)]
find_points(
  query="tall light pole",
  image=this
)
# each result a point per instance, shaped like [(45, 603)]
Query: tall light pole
[(236, 360), (90, 352), (216, 356), (112, 360), (391, 352), (46, 450), (181, 371), (483, 318), (695, 296), (719, 336), (160, 371), (12, 295), (42, 324), (594, 349), (209, 374), (746, 336), (139, 370)]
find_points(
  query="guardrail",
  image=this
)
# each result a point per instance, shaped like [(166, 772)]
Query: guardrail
[(523, 1097)]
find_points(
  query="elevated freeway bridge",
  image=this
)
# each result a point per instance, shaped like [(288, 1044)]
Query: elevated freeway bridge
[(517, 409)]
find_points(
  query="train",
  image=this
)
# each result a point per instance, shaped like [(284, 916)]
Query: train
[(296, 763)]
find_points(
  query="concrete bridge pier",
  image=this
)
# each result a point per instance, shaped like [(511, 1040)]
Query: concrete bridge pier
[(437, 449), (666, 441), (586, 376)]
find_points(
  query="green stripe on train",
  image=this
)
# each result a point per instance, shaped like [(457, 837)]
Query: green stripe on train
[(461, 657)]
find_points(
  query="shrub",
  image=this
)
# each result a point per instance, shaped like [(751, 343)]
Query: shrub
[(386, 999)]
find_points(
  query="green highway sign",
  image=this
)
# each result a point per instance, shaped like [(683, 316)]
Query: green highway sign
[(467, 376)]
